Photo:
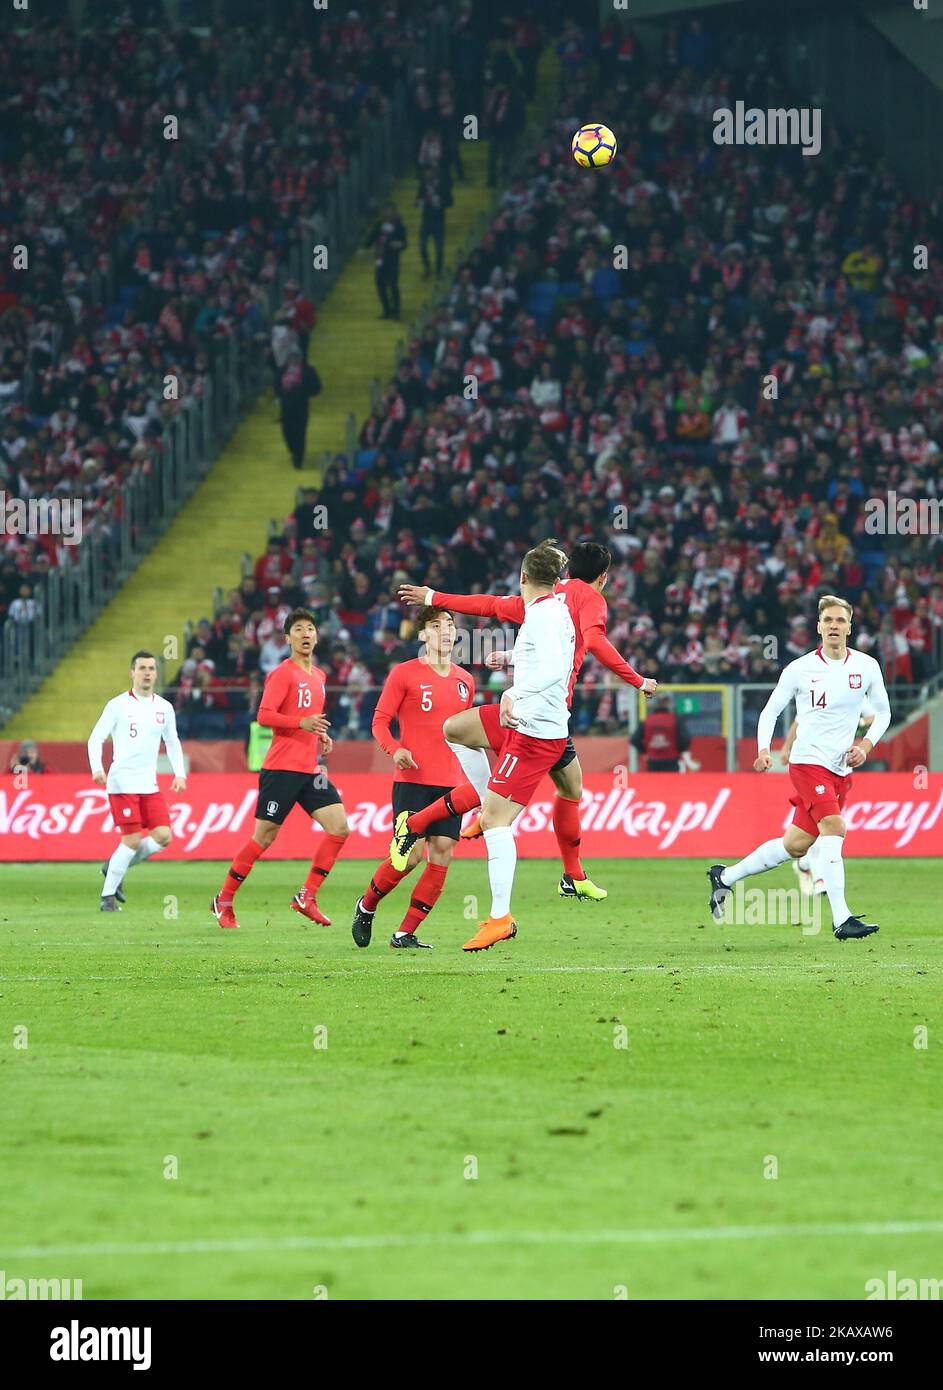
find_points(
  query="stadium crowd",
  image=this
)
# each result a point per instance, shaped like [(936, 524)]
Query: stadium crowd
[(147, 255), (718, 412)]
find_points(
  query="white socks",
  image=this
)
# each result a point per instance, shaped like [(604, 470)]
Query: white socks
[(144, 850), (123, 859), (831, 867), (118, 866), (475, 765), (810, 860), (502, 861), (768, 856)]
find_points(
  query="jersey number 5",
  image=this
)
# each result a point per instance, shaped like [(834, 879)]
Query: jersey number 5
[(426, 702)]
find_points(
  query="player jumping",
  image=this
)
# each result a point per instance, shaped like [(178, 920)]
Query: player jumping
[(292, 705), (419, 694), (480, 728), (534, 712), (136, 722), (830, 686)]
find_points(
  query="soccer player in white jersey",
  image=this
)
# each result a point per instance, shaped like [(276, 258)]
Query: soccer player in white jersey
[(535, 713), (811, 881), (830, 687), (136, 722)]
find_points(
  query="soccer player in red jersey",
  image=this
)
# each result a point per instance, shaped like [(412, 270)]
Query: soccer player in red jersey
[(420, 695), (535, 712), (292, 705), (588, 568)]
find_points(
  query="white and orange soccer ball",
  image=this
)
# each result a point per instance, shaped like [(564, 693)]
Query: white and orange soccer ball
[(593, 146)]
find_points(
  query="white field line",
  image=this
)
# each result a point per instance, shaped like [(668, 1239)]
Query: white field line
[(448, 1239)]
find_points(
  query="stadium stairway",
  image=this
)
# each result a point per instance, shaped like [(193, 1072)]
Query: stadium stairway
[(253, 479)]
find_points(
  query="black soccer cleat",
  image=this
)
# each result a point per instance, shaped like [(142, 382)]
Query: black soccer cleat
[(719, 891), (362, 928), (119, 891), (408, 941), (853, 927), (109, 905), (402, 842)]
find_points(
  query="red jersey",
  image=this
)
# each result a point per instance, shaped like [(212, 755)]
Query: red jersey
[(421, 701), (588, 609), (288, 696)]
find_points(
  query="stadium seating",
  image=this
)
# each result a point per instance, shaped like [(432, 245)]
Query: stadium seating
[(149, 255), (727, 511)]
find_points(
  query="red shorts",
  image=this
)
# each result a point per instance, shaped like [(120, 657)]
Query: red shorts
[(818, 792), (490, 716), (522, 762), (134, 811)]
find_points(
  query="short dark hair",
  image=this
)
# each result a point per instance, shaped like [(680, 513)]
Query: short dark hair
[(428, 612), (299, 615), (588, 560), (138, 655)]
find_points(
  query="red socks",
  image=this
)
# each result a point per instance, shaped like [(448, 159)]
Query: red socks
[(384, 880), (425, 896), (454, 803), (242, 864), (323, 861), (239, 870), (567, 828)]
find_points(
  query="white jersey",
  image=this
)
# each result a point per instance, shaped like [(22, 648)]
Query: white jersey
[(830, 697), (136, 724), (543, 661)]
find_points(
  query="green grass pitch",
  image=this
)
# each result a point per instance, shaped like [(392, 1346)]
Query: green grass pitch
[(348, 1170)]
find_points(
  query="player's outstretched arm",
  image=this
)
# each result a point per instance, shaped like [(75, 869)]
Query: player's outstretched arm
[(96, 742), (598, 643), (509, 609)]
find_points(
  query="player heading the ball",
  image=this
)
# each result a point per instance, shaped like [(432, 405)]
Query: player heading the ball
[(480, 728)]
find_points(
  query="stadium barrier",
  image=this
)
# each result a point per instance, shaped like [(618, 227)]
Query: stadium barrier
[(701, 815)]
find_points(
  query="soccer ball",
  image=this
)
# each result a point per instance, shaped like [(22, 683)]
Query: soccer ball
[(593, 146)]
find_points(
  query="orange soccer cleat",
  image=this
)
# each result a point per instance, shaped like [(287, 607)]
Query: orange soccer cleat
[(473, 830), (224, 914), (306, 903), (490, 931)]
